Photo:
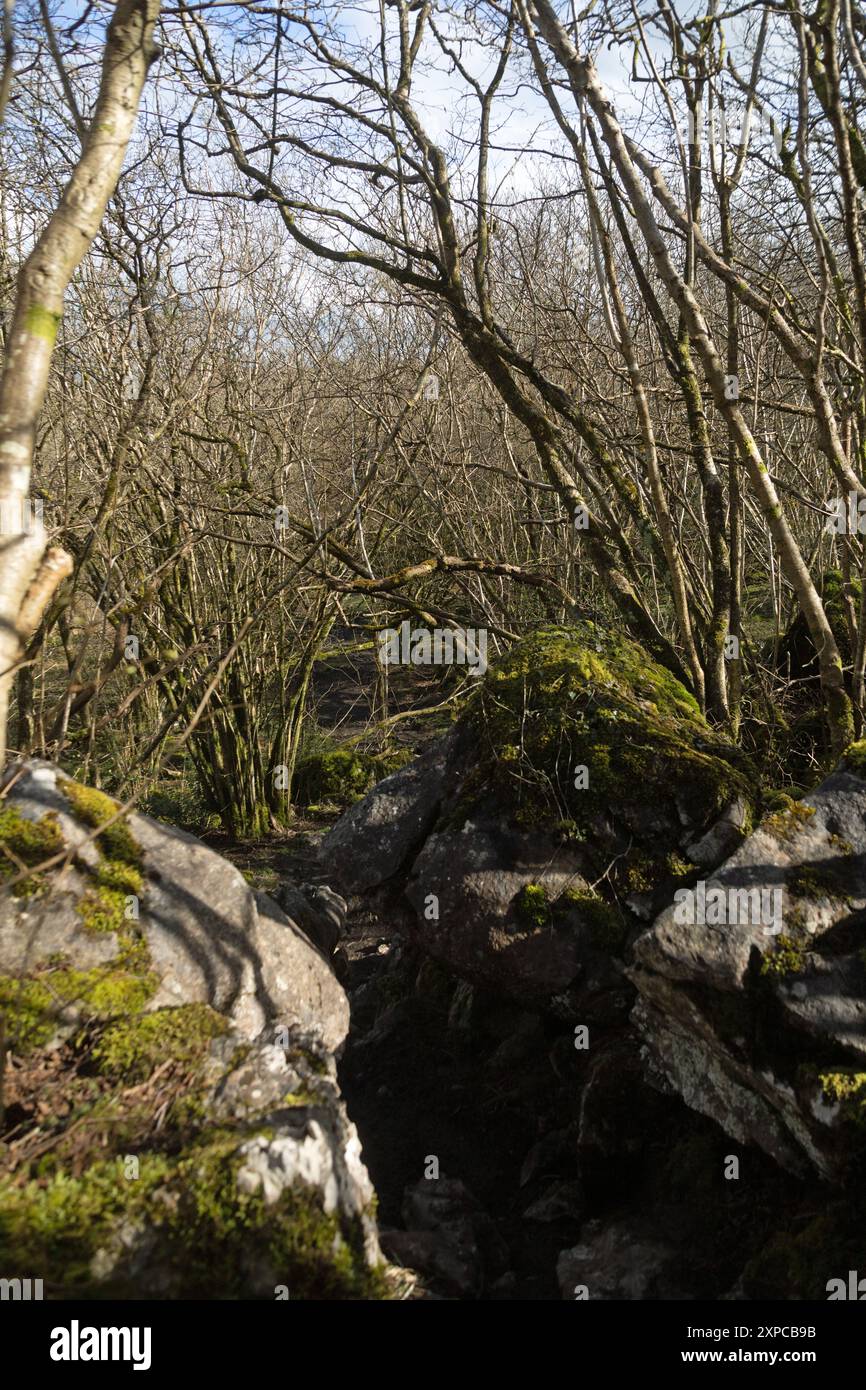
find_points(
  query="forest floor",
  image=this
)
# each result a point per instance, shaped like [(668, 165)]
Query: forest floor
[(411, 1084)]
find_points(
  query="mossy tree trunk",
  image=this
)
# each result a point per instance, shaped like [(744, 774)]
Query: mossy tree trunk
[(30, 571)]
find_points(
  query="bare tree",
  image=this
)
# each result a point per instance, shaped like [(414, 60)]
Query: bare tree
[(30, 570)]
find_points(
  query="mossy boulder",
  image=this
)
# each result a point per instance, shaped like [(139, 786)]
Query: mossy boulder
[(125, 896), (579, 785), (247, 1181), (178, 1129), (574, 720)]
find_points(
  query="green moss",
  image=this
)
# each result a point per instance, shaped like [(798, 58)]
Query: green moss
[(26, 1006), (847, 1089), (209, 1233), (120, 877), (641, 874), (569, 831), (189, 1111), (116, 877), (855, 758), (240, 1055), (786, 957), (786, 822), (583, 696), (109, 991), (678, 867), (299, 1098), (132, 1048), (532, 907), (317, 1064), (798, 1264), (102, 907), (606, 927), (59, 1224), (320, 1256), (116, 841), (208, 1230), (42, 323), (35, 1007), (644, 872), (102, 911), (535, 910), (814, 881), (341, 775), (28, 842), (337, 775)]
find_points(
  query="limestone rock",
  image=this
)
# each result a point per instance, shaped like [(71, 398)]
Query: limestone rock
[(200, 934), (569, 792), (615, 1260), (193, 1025), (380, 834), (756, 1011)]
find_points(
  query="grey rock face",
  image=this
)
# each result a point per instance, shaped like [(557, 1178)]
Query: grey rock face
[(318, 911), (736, 1010), (476, 875), (450, 1238), (464, 883), (525, 842), (207, 937), (617, 1261), (560, 1202), (380, 834), (255, 1156)]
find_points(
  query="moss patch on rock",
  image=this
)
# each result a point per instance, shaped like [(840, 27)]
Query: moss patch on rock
[(583, 696), (787, 818), (138, 1192), (536, 910), (100, 812), (602, 919), (36, 1007), (532, 907), (848, 1090), (213, 1237), (341, 776), (117, 877), (132, 1048), (26, 843), (817, 881), (855, 758), (785, 957), (58, 995)]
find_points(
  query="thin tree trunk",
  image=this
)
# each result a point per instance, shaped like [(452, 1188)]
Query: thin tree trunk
[(584, 82), (29, 574)]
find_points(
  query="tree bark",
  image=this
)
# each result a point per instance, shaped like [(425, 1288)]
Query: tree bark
[(29, 573)]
